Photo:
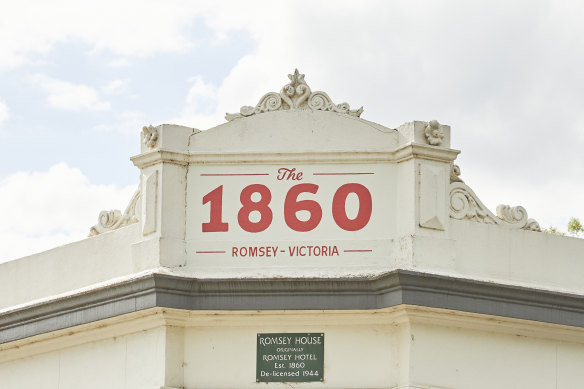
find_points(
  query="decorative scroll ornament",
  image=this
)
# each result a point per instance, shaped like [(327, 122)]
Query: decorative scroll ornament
[(434, 133), (455, 173), (150, 136), (464, 204), (295, 95), (114, 219)]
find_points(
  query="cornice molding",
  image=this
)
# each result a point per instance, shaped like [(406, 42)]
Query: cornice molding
[(401, 154), (160, 156), (399, 287), (432, 153)]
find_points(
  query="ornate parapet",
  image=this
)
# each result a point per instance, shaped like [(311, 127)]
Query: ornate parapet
[(465, 204), (294, 95)]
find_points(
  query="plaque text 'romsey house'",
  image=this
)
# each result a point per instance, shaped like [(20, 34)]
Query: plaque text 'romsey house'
[(290, 357)]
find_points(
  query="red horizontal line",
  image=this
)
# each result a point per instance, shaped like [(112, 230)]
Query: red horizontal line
[(357, 251), (234, 174), (338, 174), (210, 252)]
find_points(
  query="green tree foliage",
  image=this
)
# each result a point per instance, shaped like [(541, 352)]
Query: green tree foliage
[(575, 229), (554, 231)]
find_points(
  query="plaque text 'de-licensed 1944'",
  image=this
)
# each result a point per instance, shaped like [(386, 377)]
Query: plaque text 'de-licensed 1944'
[(290, 357)]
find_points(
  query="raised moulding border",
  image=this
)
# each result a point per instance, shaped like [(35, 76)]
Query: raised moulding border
[(432, 196), (149, 202)]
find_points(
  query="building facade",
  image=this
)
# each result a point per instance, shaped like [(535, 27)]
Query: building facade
[(298, 245)]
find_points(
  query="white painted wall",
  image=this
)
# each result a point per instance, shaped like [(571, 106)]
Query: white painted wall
[(403, 347), (133, 361), (449, 357), (356, 356), (77, 265)]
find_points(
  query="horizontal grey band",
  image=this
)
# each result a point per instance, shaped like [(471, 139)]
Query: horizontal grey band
[(388, 290)]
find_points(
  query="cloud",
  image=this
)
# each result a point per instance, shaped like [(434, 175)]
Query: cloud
[(119, 63), (201, 109), (127, 122), (67, 96), (52, 207), (200, 92), (4, 112), (130, 28), (115, 87)]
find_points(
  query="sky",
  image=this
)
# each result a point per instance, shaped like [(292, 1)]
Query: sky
[(79, 79)]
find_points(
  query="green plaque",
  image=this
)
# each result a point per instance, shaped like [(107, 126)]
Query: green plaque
[(290, 357)]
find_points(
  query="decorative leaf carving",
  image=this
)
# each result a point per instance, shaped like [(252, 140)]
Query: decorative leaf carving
[(532, 225), (295, 95), (464, 204), (150, 136), (513, 215), (114, 219), (455, 173), (434, 133)]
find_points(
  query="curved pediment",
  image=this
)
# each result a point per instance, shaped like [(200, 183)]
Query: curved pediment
[(297, 130), (293, 120)]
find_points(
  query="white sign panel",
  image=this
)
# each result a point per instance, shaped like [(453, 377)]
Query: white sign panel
[(283, 213)]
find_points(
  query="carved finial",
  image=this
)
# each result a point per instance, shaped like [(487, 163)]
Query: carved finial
[(150, 136), (296, 77), (434, 133), (295, 95)]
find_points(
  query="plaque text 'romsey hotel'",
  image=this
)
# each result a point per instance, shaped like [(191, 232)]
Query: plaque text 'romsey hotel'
[(290, 357)]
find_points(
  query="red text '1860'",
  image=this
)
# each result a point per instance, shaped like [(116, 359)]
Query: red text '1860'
[(291, 206)]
